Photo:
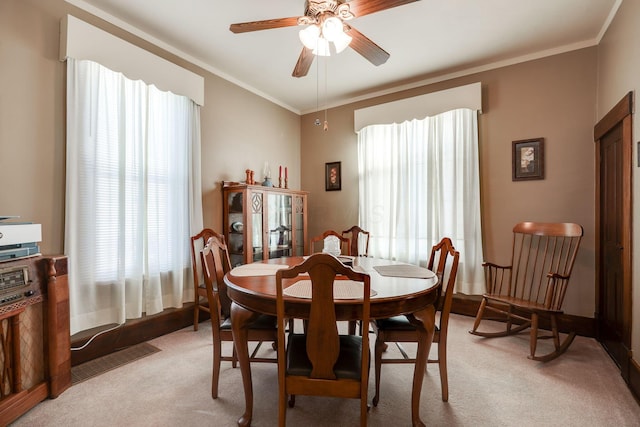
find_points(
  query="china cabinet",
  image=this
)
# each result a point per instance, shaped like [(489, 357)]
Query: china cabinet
[(263, 222)]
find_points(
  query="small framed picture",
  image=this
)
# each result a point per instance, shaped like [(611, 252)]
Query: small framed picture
[(332, 176), (528, 159)]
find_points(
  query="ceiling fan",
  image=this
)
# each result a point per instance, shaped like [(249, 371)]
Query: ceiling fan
[(326, 23)]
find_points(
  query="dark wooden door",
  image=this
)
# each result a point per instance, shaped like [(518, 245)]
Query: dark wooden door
[(613, 136), (611, 287)]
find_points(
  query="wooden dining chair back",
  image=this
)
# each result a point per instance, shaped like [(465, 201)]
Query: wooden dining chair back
[(399, 328), (322, 362), (345, 244), (198, 242), (359, 246), (534, 285), (215, 262), (359, 240)]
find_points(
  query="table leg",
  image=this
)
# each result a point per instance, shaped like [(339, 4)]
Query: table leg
[(241, 318), (424, 320)]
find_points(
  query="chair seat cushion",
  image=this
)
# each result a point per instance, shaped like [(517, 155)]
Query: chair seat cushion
[(261, 322), (347, 366), (396, 323)]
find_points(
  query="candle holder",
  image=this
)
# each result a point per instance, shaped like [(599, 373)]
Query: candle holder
[(280, 182), (286, 183)]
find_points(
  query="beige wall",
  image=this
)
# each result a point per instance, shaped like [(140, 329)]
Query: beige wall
[(32, 120), (239, 129), (553, 98), (618, 73)]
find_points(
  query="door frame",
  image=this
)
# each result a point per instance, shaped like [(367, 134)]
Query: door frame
[(621, 113)]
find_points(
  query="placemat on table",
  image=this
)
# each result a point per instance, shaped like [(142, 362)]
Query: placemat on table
[(405, 270), (257, 269), (342, 289)]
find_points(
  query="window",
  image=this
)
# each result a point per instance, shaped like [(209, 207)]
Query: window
[(130, 202), (419, 182)]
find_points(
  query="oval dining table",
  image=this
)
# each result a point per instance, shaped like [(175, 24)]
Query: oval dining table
[(400, 290)]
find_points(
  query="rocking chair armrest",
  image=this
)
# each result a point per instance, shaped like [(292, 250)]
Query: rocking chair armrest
[(555, 295), (497, 278), (557, 276), (490, 264)]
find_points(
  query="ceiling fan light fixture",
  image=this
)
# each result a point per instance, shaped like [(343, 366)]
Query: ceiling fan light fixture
[(326, 23), (332, 28), (322, 47), (309, 36), (341, 42), (318, 37)]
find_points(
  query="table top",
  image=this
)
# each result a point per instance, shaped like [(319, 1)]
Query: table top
[(253, 286)]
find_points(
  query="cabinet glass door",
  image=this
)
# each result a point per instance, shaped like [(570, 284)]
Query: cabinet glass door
[(256, 210), (298, 224), (279, 225), (236, 232)]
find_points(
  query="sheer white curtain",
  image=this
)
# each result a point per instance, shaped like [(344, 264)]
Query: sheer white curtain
[(133, 196), (419, 181)]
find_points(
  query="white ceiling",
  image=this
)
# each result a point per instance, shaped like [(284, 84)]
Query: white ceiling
[(429, 40)]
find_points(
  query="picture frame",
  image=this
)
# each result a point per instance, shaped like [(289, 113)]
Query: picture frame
[(332, 176), (528, 159)]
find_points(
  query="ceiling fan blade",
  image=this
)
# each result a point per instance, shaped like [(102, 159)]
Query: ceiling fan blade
[(304, 63), (366, 7), (267, 24), (365, 47)]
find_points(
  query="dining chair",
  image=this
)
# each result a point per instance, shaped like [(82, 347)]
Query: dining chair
[(344, 243), (399, 329), (534, 285), (345, 249), (215, 261), (198, 242), (356, 235), (322, 362)]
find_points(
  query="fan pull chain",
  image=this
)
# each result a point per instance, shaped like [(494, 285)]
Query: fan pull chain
[(326, 78), (317, 122)]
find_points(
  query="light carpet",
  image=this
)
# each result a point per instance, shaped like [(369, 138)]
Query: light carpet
[(491, 383), (111, 361)]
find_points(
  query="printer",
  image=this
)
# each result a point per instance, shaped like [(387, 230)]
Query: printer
[(19, 239)]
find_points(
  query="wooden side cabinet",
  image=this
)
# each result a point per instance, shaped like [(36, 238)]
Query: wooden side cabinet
[(263, 222), (35, 340)]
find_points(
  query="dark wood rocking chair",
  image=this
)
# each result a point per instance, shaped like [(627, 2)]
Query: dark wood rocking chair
[(534, 285)]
